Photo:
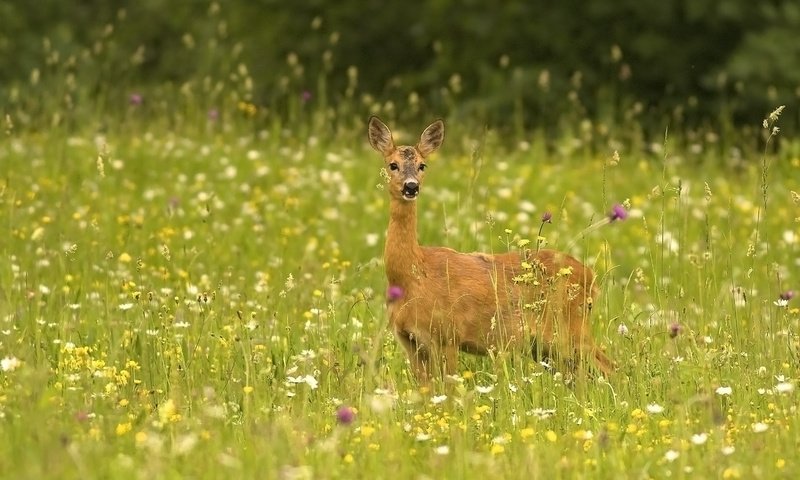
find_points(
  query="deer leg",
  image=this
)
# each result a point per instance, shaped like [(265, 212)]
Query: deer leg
[(449, 358), (593, 354), (419, 356)]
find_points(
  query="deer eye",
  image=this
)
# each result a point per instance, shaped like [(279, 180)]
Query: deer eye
[(393, 166), (422, 167)]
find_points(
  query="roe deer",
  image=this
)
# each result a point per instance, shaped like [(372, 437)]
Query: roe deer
[(475, 302)]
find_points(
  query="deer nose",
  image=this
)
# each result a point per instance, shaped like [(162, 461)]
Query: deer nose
[(410, 188)]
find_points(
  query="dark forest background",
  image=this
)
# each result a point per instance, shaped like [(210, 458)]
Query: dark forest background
[(513, 63)]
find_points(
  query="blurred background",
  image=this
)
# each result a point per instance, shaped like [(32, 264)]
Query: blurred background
[(515, 65)]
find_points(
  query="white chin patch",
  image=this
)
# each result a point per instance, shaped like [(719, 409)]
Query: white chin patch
[(410, 198)]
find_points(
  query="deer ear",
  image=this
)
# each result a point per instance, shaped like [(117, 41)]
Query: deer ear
[(432, 138), (380, 137)]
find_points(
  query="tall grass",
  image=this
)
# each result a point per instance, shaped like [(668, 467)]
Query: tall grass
[(196, 289)]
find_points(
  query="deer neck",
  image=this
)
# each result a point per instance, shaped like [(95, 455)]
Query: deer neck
[(402, 255)]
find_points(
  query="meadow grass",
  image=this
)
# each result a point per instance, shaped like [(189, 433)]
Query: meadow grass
[(209, 302)]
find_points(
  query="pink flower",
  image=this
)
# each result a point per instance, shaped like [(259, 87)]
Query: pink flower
[(394, 293), (345, 415), (674, 330), (618, 212)]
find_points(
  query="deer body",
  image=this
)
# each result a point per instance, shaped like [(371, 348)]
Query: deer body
[(475, 302)]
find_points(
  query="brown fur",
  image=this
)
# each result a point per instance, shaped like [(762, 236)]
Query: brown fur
[(476, 302)]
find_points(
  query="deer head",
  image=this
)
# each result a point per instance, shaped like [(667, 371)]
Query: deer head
[(405, 165)]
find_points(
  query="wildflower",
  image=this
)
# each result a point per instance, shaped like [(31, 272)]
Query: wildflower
[(674, 329), (394, 293), (724, 391), (728, 450), (542, 413), (655, 408), (213, 114), (482, 389), (583, 435), (622, 329), (671, 455), (167, 411), (617, 212), (760, 427), (345, 415), (381, 401), (247, 108), (699, 438), (442, 450), (308, 379), (787, 295), (306, 96), (438, 399), (547, 217), (123, 428), (135, 99), (9, 364), (784, 387)]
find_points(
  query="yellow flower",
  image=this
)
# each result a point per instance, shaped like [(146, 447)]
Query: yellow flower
[(167, 411), (497, 449), (583, 435), (551, 436), (123, 428), (526, 433), (247, 389), (124, 257), (348, 458), (731, 472)]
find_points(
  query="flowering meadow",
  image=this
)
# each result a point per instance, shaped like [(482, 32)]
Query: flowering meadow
[(206, 299)]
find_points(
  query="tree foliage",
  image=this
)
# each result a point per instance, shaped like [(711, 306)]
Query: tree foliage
[(512, 59)]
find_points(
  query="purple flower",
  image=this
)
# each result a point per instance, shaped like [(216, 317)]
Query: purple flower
[(617, 212), (136, 99), (306, 96), (345, 415), (547, 217), (787, 295), (674, 329), (213, 114), (394, 293)]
